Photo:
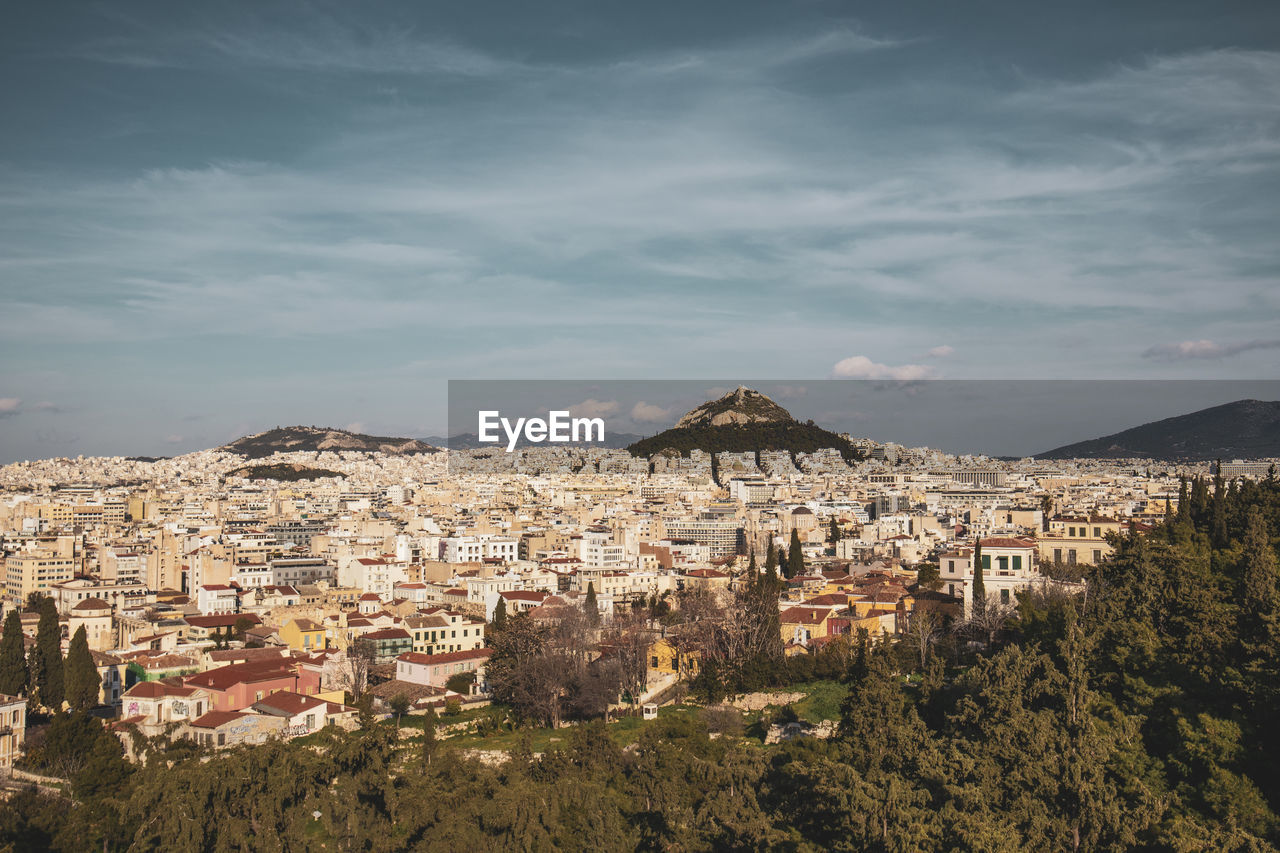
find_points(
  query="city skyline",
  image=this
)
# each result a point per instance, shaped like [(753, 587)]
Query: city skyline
[(218, 220)]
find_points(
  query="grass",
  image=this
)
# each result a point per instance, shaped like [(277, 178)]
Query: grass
[(821, 702)]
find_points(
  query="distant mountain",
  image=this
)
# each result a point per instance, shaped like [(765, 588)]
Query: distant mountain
[(300, 439), (743, 421), (470, 441), (1245, 429)]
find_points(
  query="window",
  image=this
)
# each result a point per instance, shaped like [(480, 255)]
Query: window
[(1057, 555), (1004, 596), (1003, 564), (222, 739), (1097, 532), (986, 562), (653, 662), (1071, 557), (1017, 563), (1097, 556), (1071, 531)]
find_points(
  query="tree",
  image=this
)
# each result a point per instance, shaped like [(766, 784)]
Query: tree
[(591, 607), (13, 664), (82, 683), (49, 649), (795, 556), (499, 620), (929, 576), (244, 623), (835, 531), (399, 705), (353, 675), (429, 739), (979, 584)]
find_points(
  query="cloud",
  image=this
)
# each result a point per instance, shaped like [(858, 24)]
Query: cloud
[(593, 408), (355, 426), (10, 406), (647, 413), (173, 438), (861, 367), (1206, 349), (943, 351)]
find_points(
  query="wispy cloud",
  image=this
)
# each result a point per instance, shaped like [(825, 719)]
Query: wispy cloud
[(1206, 349), (943, 351), (10, 406), (861, 367), (648, 413)]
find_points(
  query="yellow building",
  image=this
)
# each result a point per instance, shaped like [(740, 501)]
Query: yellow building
[(1072, 541), (303, 635), (35, 572), (664, 658), (801, 624)]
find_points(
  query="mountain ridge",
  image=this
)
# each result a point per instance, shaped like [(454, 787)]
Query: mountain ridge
[(295, 439), (1244, 429)]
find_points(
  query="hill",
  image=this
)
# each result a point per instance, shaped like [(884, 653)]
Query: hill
[(1245, 429), (283, 472), (300, 439), (743, 421)]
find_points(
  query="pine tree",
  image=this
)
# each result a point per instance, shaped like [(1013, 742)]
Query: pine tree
[(49, 648), (979, 583), (590, 605), (81, 673), (795, 556)]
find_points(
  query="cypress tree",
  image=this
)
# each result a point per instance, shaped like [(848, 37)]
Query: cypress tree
[(81, 673), (835, 531), (429, 740), (500, 614), (979, 584), (590, 605), (795, 556), (13, 665), (1184, 503), (1258, 577), (49, 648), (1218, 530), (771, 559)]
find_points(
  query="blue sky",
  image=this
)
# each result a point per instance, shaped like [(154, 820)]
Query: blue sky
[(216, 218)]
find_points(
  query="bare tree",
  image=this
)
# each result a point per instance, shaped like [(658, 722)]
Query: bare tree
[(353, 673), (923, 630)]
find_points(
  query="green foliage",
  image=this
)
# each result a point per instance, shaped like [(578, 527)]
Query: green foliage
[(49, 676), (82, 681), (744, 438), (795, 556), (13, 664)]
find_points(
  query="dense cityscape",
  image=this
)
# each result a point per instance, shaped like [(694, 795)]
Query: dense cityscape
[(472, 603)]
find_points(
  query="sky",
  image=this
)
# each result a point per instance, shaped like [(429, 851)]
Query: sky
[(219, 218)]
